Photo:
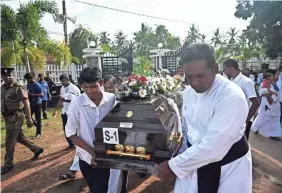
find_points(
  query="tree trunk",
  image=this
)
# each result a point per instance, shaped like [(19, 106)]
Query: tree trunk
[(26, 62)]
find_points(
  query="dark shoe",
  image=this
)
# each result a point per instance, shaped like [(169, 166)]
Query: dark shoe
[(69, 147), (5, 169), (256, 132), (68, 175), (36, 154), (275, 138)]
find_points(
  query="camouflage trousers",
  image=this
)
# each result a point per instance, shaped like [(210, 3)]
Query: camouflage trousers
[(14, 134)]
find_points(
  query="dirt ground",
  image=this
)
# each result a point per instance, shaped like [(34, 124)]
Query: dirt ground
[(42, 175)]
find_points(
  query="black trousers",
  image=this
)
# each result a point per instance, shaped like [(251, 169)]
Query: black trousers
[(96, 178), (44, 109), (36, 109), (64, 120)]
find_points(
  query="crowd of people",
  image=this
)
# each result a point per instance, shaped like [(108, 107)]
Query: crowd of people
[(217, 117)]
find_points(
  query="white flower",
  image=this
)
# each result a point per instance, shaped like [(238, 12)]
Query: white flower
[(142, 93), (132, 83)]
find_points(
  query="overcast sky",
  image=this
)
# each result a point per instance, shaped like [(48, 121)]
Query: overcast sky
[(206, 14)]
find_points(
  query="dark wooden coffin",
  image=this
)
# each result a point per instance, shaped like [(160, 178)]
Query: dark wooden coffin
[(136, 136)]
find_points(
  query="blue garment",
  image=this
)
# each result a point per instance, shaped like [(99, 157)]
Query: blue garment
[(44, 86), (34, 88), (275, 87)]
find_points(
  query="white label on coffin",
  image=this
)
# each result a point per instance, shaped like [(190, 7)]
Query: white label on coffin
[(125, 125), (110, 135)]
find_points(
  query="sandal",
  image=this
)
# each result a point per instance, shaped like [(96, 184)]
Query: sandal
[(275, 138), (66, 176)]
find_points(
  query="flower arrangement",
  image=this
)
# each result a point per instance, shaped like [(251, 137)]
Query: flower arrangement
[(141, 87)]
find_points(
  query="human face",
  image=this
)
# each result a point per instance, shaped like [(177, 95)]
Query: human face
[(227, 71), (246, 72), (65, 82), (180, 71), (109, 86), (92, 90), (199, 76), (276, 76), (8, 79)]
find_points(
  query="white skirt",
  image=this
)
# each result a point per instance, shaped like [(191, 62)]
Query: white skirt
[(267, 125)]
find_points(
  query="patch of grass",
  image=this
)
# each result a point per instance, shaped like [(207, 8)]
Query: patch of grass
[(32, 131)]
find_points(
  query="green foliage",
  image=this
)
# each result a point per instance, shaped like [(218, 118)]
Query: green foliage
[(11, 54), (75, 60), (265, 24), (9, 31), (142, 67), (61, 53)]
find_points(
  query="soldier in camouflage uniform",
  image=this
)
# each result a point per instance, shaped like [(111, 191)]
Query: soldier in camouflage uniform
[(14, 103)]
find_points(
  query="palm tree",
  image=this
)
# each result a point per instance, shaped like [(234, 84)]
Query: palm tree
[(232, 35), (203, 37), (25, 26), (104, 38), (193, 34), (217, 38), (120, 39)]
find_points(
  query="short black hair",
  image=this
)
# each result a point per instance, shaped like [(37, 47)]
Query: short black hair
[(28, 75), (39, 75), (231, 63), (267, 75), (179, 67), (247, 69), (198, 51), (110, 77), (64, 76), (90, 75)]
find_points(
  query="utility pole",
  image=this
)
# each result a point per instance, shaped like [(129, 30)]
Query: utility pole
[(65, 22)]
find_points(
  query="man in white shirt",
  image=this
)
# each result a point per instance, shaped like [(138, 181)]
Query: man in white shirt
[(248, 74), (84, 113), (217, 156), (231, 68), (67, 93), (181, 73)]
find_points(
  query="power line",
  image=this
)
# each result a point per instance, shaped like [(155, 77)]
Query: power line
[(133, 13)]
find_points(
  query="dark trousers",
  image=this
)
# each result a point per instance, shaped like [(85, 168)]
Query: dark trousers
[(96, 178), (14, 135), (281, 112), (36, 109), (64, 120), (44, 109)]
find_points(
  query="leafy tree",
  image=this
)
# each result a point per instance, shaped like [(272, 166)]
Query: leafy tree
[(193, 34), (24, 26), (266, 21), (104, 38), (216, 38), (232, 34)]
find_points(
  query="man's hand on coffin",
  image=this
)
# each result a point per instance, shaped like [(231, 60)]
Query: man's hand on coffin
[(93, 162), (165, 172)]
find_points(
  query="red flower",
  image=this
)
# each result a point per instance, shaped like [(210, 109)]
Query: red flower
[(142, 79), (131, 77)]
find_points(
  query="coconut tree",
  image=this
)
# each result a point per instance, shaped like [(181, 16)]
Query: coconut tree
[(25, 25), (203, 37), (120, 39), (104, 38), (216, 38), (193, 34), (232, 34)]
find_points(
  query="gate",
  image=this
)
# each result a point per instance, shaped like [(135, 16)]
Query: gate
[(170, 62)]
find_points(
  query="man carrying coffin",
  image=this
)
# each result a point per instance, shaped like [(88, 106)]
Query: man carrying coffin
[(216, 156)]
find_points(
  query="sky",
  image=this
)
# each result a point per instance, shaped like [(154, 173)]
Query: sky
[(206, 14)]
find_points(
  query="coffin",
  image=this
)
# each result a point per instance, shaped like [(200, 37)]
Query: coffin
[(136, 136)]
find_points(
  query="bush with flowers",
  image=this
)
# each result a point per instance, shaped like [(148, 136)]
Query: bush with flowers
[(141, 88)]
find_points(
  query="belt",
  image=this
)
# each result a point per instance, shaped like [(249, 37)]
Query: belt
[(6, 114), (209, 175)]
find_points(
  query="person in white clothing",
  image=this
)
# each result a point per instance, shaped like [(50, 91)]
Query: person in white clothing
[(217, 157), (231, 69), (248, 74), (267, 123), (84, 113), (181, 73), (68, 92)]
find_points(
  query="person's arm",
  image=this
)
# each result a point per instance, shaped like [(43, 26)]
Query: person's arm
[(23, 96), (250, 92), (39, 91), (228, 120), (72, 129)]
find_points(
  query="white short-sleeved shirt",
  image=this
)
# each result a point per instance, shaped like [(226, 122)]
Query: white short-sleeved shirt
[(84, 116), (247, 85), (68, 93)]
